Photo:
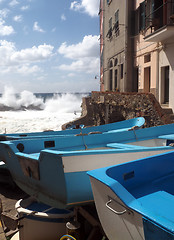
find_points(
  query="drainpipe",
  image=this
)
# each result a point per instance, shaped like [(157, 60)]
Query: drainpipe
[(126, 48), (157, 73)]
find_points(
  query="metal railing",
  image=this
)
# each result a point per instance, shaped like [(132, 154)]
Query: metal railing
[(161, 16)]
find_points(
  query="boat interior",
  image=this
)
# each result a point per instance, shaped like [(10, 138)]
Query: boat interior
[(30, 146), (148, 187)]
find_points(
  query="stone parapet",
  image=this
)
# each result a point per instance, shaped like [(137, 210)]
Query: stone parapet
[(108, 107)]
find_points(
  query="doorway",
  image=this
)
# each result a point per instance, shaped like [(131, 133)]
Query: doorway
[(165, 85), (110, 79), (116, 79), (147, 79)]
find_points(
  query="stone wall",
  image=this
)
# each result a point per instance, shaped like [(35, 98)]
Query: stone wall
[(107, 107)]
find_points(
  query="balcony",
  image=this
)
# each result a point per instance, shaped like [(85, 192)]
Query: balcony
[(160, 23)]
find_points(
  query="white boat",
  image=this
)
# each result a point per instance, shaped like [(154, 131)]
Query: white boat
[(135, 200)]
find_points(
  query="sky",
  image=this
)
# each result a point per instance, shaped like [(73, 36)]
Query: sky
[(49, 46)]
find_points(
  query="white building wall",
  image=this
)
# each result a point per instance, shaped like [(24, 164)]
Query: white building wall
[(166, 58)]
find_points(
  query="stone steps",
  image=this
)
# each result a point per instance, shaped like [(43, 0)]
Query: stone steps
[(168, 111)]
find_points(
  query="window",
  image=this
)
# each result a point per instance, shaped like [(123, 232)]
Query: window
[(147, 58), (109, 1), (116, 83), (121, 71), (109, 34), (116, 62), (150, 7), (111, 64), (142, 16), (110, 22), (117, 18), (116, 25)]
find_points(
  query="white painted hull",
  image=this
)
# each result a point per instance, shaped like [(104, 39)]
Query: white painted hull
[(70, 171), (80, 163), (128, 226)]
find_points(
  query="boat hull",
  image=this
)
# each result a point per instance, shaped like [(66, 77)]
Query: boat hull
[(60, 179), (117, 126), (127, 226), (52, 169), (135, 200)]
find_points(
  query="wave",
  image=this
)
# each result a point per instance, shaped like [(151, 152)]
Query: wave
[(50, 102), (28, 112)]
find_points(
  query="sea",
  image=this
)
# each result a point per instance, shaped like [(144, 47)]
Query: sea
[(36, 112)]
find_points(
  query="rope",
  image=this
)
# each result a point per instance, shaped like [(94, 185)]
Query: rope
[(83, 139)]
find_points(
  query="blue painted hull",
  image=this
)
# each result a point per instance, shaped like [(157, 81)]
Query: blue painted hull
[(54, 170), (144, 189), (117, 126)]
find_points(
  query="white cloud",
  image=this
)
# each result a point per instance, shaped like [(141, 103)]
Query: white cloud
[(28, 69), (4, 12), (18, 18), (63, 18), (83, 65), (4, 29), (24, 8), (22, 61), (13, 3), (89, 47), (32, 54), (91, 7), (85, 55), (37, 28)]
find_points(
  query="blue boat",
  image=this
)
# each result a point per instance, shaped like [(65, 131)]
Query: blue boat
[(117, 126), (135, 200), (54, 170)]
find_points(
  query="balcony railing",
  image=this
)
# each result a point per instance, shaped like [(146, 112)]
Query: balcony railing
[(160, 18)]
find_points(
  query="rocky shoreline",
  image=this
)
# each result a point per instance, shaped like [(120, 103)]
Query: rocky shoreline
[(21, 108)]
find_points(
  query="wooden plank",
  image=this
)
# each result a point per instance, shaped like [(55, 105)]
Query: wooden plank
[(2, 234)]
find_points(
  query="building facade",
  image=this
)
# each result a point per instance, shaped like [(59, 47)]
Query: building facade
[(138, 47), (116, 46), (155, 49)]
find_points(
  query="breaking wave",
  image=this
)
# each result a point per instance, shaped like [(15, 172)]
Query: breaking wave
[(28, 112), (51, 102)]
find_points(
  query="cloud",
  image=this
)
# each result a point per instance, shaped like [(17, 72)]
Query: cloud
[(4, 29), (37, 28), (24, 8), (13, 3), (91, 7), (89, 47), (85, 55), (28, 69), (33, 54), (83, 65), (22, 61), (4, 13), (18, 18), (63, 18)]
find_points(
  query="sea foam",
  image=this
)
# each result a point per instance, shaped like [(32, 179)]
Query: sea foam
[(26, 112)]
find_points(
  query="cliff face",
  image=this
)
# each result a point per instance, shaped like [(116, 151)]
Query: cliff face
[(108, 107)]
